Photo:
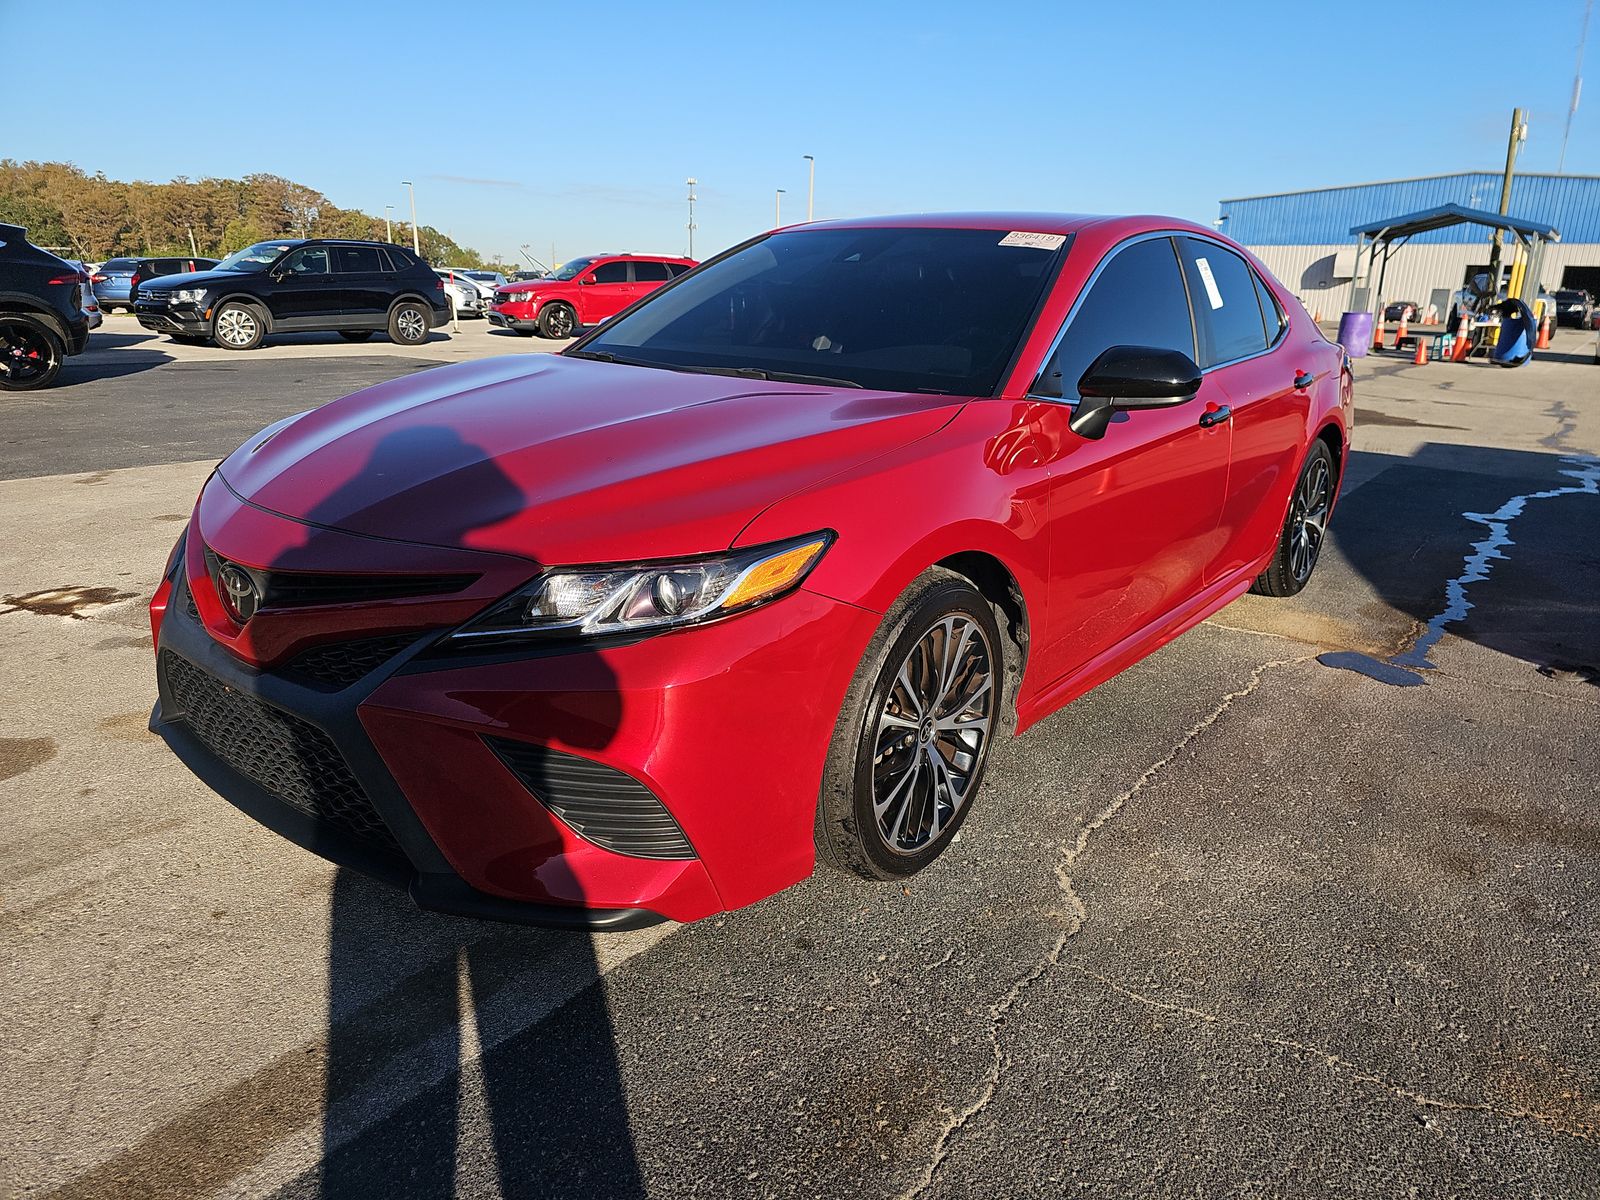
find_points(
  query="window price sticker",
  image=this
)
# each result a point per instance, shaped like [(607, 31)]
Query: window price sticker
[(1210, 280), (1039, 241)]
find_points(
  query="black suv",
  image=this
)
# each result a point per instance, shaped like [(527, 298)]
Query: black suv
[(291, 286), (42, 321)]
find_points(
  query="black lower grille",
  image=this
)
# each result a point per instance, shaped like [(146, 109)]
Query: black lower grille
[(614, 811), (335, 667), (291, 758)]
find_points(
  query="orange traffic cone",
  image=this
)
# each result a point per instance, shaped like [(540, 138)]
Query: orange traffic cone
[(1420, 359), (1463, 346), (1377, 330), (1543, 342), (1400, 330)]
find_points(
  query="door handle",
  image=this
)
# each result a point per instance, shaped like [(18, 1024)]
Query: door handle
[(1215, 416), (1302, 381)]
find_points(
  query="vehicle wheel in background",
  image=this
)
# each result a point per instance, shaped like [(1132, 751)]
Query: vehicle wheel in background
[(908, 754), (408, 324), (1304, 529), (557, 321), (238, 327), (355, 335), (30, 353)]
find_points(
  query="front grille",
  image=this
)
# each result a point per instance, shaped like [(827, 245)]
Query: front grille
[(291, 758), (337, 666), (155, 295), (296, 589), (614, 811)]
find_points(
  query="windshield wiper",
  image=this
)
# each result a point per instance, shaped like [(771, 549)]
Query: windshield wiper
[(776, 376)]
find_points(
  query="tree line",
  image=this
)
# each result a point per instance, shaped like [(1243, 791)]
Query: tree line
[(64, 207)]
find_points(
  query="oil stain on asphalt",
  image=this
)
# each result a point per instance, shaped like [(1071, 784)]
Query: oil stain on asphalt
[(63, 602), (18, 756)]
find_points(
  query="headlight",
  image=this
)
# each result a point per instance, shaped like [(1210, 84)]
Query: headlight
[(189, 296), (577, 603)]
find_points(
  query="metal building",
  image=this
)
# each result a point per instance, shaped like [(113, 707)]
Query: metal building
[(1304, 237)]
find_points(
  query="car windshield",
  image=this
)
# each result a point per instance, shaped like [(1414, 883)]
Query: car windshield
[(570, 270), (1578, 296), (481, 276), (254, 258), (926, 310)]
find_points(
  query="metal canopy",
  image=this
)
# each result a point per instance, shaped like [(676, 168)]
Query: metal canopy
[(1453, 214), (1386, 236)]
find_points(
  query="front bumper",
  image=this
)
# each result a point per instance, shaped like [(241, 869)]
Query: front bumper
[(510, 320), (188, 321), (725, 725)]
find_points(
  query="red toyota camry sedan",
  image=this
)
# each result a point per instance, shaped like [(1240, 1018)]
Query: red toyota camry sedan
[(754, 575)]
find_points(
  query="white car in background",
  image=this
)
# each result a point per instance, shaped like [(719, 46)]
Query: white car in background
[(487, 281), (91, 307), (466, 297)]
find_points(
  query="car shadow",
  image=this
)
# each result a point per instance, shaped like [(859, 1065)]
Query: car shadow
[(455, 1045), (1442, 537)]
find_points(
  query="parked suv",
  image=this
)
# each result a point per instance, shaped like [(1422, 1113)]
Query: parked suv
[(116, 283), (1572, 307), (585, 291), (294, 285), (42, 321)]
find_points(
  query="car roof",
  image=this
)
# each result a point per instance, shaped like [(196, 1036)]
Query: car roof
[(1030, 222)]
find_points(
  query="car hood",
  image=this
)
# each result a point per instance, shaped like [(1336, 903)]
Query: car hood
[(193, 279), (567, 460)]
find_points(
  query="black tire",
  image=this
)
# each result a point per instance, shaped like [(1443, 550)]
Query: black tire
[(557, 320), (409, 323), (31, 353), (883, 746), (356, 335), (1294, 560), (238, 326)]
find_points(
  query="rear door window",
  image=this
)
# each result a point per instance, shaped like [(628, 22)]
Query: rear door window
[(650, 272), (1271, 315), (164, 266), (358, 260), (611, 272), (1227, 309), (676, 269), (1137, 300)]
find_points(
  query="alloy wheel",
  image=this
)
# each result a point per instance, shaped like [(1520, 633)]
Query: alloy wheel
[(1308, 519), (561, 322), (236, 327), (932, 733), (409, 322), (25, 352)]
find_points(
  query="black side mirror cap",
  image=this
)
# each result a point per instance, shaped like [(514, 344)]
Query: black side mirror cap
[(1132, 377)]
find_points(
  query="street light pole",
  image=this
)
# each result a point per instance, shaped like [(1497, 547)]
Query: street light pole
[(388, 224), (811, 188), (777, 216), (416, 244), (691, 182)]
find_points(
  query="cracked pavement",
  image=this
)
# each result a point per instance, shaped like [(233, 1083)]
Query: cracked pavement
[(1235, 923)]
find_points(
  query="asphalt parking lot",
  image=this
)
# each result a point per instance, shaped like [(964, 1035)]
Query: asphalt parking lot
[(1305, 904)]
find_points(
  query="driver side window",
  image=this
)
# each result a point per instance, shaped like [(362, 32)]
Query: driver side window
[(311, 260), (611, 272), (1137, 300)]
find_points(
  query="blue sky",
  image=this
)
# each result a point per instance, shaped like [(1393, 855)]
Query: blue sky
[(577, 124)]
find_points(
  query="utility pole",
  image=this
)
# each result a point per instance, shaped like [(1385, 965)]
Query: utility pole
[(811, 188), (691, 181), (777, 215), (388, 225), (416, 244), (1519, 134)]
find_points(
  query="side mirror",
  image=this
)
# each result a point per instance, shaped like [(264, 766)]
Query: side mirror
[(1132, 377), (587, 280), (278, 276)]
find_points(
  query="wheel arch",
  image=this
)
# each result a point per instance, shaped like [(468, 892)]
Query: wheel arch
[(255, 302), (1000, 588), (21, 302), (1334, 437)]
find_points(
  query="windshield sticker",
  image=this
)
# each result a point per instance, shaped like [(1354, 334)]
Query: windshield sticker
[(1039, 241), (1210, 280)]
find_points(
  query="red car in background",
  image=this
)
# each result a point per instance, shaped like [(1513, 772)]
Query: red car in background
[(755, 574), (583, 292)]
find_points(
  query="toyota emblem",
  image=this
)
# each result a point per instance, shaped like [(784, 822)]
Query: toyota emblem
[(239, 591)]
